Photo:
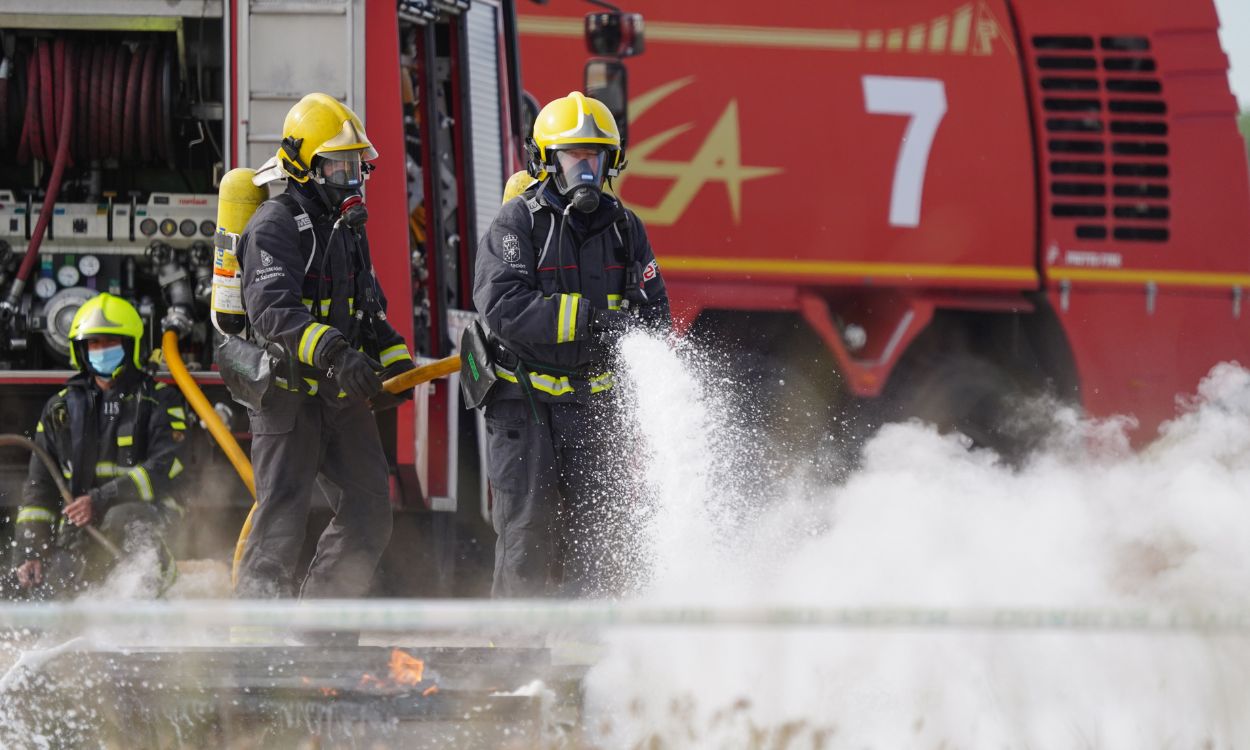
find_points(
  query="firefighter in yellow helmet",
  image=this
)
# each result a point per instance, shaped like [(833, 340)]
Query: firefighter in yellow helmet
[(314, 304), (564, 270), (116, 434)]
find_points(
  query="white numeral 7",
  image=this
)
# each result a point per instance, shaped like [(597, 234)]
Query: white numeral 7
[(924, 101)]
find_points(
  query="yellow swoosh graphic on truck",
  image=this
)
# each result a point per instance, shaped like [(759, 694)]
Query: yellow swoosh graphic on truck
[(970, 29)]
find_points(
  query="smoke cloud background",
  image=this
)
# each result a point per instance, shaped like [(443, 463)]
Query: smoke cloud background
[(926, 522)]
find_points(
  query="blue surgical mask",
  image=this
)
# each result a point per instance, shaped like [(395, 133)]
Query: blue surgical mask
[(104, 362)]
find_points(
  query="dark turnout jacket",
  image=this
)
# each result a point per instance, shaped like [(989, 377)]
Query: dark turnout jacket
[(303, 282), (540, 273), (118, 446)]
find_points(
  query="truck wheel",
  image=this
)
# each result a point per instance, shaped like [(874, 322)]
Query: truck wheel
[(976, 397)]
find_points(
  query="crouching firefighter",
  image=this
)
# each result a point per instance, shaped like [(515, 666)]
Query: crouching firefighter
[(316, 315), (562, 273), (116, 434)]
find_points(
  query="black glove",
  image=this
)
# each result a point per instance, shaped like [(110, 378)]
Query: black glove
[(385, 399), (608, 326), (356, 374)]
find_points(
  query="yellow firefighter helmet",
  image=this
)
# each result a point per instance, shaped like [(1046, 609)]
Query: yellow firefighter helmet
[(573, 121), (104, 315), (320, 125)]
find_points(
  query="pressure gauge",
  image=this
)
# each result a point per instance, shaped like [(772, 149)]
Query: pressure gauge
[(67, 275), (89, 265), (45, 287)]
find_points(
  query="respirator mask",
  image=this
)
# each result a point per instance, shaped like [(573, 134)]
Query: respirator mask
[(352, 212), (579, 173), (342, 175)]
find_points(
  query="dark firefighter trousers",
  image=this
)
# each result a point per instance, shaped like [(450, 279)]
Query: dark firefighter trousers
[(560, 490), (291, 441), (75, 562)]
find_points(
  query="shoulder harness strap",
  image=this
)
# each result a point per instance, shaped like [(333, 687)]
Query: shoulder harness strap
[(303, 222)]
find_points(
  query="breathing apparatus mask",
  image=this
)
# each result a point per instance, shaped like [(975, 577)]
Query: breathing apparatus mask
[(341, 176), (579, 173)]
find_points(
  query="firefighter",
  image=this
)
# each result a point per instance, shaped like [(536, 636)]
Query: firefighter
[(562, 273), (116, 434), (313, 302)]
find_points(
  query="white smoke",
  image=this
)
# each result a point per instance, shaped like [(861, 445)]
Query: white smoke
[(926, 522)]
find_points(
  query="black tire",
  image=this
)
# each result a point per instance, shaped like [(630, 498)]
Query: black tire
[(974, 396)]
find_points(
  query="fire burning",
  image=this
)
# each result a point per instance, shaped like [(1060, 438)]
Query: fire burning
[(405, 670), (328, 692)]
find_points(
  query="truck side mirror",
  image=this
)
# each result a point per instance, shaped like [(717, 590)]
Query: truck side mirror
[(614, 34), (607, 81)]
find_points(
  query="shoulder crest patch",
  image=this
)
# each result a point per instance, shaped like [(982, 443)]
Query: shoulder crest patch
[(511, 248)]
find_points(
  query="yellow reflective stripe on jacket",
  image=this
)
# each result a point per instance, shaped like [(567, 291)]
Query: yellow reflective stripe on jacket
[(313, 386), (178, 425), (325, 305), (545, 383), (106, 469), (566, 322), (39, 427), (35, 515), (125, 440), (393, 354), (177, 413), (614, 302), (600, 383), (139, 476), (175, 468), (308, 341)]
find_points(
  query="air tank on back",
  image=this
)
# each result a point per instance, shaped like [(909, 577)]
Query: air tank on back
[(237, 199)]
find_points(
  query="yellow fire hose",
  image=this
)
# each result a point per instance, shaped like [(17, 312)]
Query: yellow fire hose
[(230, 446), (50, 463)]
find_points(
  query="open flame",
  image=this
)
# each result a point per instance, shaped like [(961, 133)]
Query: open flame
[(404, 669), (328, 692)]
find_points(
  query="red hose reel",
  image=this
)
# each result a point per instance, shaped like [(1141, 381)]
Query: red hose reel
[(102, 101)]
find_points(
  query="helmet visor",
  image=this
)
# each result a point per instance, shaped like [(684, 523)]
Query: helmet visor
[(580, 165), (341, 169)]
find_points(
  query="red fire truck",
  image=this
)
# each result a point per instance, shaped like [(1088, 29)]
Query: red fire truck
[(924, 206), (157, 99)]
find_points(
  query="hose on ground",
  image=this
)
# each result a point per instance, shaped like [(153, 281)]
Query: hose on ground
[(49, 463)]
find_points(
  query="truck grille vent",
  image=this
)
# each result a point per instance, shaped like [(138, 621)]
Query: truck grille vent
[(1106, 137)]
